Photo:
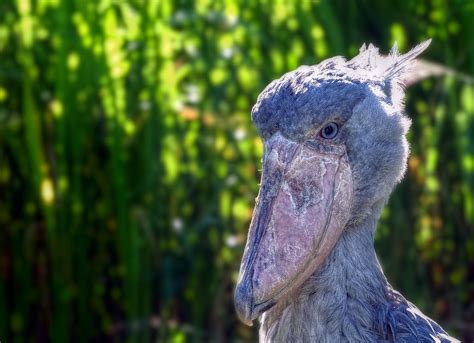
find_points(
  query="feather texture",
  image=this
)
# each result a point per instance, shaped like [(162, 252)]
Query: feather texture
[(386, 67)]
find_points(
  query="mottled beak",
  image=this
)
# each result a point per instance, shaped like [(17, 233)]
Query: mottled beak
[(302, 208)]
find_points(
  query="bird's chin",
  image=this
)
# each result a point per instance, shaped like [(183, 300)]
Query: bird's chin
[(302, 208), (247, 310)]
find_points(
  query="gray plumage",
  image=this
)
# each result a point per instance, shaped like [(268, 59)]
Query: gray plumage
[(347, 298)]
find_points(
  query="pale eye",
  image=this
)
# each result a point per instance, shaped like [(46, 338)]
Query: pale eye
[(330, 131)]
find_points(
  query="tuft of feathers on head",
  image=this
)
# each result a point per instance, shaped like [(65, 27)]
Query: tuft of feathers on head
[(392, 72), (392, 67), (403, 63)]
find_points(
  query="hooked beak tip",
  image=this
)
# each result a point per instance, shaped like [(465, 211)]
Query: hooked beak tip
[(244, 303)]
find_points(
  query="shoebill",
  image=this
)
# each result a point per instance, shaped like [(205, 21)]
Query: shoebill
[(334, 149)]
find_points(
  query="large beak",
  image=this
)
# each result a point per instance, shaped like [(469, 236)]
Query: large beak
[(301, 210)]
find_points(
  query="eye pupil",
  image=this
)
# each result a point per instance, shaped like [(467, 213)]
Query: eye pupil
[(330, 131)]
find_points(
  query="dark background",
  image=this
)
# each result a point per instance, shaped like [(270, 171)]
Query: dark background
[(129, 165)]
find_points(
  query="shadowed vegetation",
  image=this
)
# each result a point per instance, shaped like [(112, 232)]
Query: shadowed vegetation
[(129, 165)]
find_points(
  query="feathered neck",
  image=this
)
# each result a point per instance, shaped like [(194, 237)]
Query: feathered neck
[(343, 299)]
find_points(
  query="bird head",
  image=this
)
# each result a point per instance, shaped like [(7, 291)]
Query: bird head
[(334, 147)]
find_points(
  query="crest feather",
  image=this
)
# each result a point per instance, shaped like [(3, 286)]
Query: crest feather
[(403, 62), (394, 51), (386, 67)]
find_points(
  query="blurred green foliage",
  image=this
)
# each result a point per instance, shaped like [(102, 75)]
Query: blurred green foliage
[(129, 165)]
